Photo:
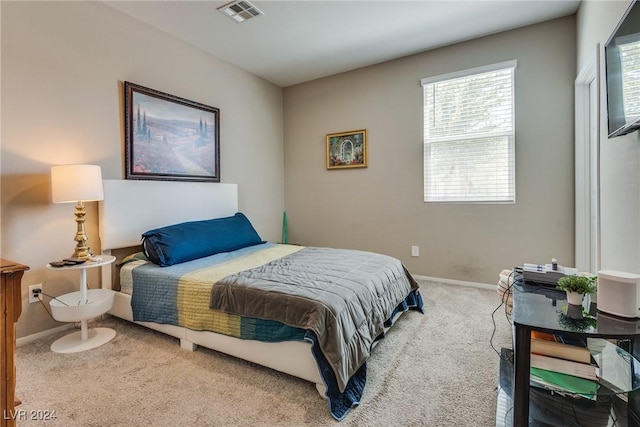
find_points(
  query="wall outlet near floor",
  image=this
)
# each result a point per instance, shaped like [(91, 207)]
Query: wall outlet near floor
[(415, 250), (35, 297)]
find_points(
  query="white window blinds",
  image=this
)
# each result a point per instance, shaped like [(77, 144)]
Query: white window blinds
[(469, 136), (630, 63)]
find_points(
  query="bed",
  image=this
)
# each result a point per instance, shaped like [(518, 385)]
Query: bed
[(133, 208)]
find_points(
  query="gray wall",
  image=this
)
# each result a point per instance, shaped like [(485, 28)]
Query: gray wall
[(619, 157), (63, 64), (381, 208)]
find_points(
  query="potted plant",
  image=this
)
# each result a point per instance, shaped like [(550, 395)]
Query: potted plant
[(577, 286)]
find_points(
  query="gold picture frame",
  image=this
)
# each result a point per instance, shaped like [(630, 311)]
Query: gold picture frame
[(347, 149)]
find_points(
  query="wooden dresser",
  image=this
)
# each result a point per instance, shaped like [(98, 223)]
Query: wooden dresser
[(10, 309)]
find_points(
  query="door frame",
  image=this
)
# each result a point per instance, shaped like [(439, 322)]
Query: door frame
[(587, 170)]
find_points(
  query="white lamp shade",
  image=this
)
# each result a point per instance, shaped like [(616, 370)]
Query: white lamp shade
[(74, 183)]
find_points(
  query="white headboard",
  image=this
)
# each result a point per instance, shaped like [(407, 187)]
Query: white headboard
[(132, 207)]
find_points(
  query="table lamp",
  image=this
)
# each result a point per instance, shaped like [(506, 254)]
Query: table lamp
[(77, 184)]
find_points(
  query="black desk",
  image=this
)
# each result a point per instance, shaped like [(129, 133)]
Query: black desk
[(542, 309)]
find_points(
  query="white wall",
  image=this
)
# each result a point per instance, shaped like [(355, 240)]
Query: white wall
[(619, 157), (381, 208), (63, 64)]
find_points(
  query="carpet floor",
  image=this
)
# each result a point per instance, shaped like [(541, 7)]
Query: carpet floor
[(436, 369)]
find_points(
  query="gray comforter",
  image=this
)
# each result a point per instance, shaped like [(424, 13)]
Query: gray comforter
[(344, 296)]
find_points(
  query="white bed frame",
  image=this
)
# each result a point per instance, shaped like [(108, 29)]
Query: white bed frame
[(132, 207)]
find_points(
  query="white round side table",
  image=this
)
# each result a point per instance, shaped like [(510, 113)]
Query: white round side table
[(81, 306)]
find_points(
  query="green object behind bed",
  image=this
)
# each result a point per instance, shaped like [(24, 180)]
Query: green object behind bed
[(285, 231)]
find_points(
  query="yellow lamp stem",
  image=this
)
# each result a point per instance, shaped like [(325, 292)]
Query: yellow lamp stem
[(82, 250)]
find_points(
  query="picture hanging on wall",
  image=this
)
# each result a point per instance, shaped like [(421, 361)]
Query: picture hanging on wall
[(347, 149), (169, 138)]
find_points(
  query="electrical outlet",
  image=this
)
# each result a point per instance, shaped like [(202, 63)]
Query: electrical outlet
[(415, 250), (33, 297)]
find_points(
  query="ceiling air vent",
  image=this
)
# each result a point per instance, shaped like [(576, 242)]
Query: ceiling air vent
[(240, 11)]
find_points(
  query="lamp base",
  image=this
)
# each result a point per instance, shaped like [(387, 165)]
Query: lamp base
[(82, 250)]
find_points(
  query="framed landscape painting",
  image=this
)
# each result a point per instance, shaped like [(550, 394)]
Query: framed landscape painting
[(170, 138), (347, 149)]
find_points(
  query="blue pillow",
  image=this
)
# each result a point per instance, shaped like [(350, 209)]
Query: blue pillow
[(197, 239)]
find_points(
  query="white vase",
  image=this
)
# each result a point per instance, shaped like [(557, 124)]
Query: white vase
[(574, 298)]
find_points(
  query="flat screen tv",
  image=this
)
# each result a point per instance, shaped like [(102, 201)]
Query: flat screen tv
[(622, 58)]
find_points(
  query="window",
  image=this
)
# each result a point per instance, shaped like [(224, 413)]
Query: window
[(630, 64), (469, 136)]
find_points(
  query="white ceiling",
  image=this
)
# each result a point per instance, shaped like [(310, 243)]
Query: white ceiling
[(298, 41)]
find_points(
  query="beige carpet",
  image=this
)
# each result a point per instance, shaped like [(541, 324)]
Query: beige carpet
[(436, 369)]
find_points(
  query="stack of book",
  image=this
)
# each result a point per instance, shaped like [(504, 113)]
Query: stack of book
[(563, 365)]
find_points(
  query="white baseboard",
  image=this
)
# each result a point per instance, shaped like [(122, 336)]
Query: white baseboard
[(38, 335), (457, 282)]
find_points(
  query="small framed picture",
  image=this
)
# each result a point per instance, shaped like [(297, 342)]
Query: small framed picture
[(169, 138), (347, 149)]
